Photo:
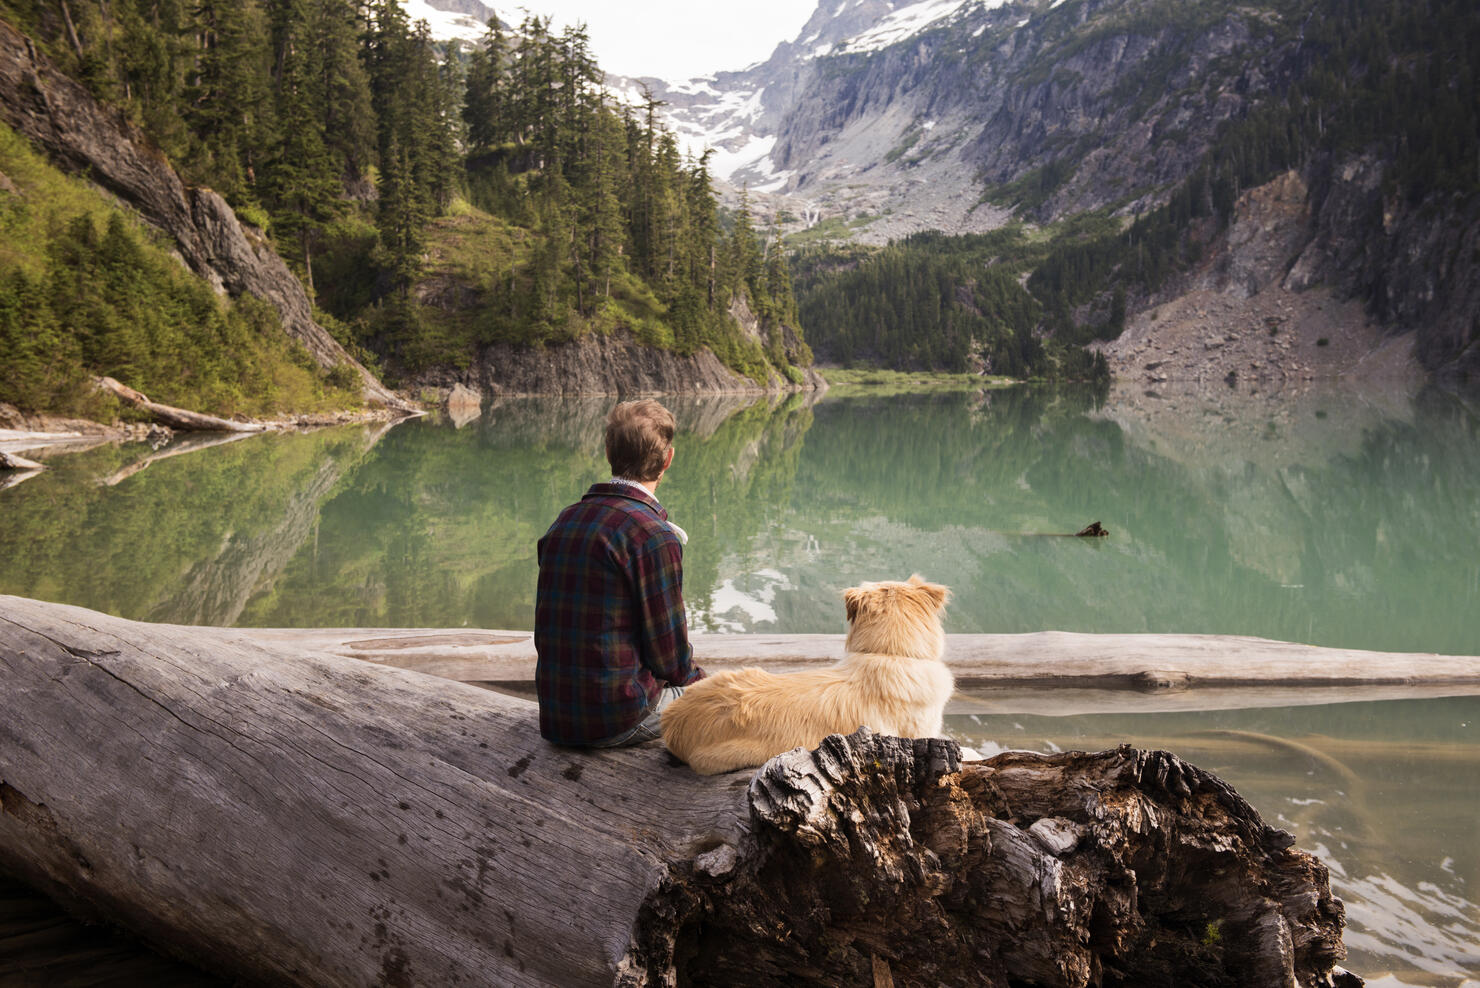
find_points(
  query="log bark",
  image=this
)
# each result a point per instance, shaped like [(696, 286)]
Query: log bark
[(176, 418), (285, 816)]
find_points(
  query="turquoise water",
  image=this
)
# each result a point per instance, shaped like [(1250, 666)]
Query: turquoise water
[(1322, 518)]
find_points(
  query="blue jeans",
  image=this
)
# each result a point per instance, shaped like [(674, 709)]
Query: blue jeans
[(649, 728)]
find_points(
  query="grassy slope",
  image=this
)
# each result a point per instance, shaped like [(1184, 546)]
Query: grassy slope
[(88, 289)]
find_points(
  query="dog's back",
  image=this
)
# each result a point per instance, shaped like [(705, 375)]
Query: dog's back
[(741, 718)]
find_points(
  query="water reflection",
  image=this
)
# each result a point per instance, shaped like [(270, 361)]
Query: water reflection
[(1323, 517), (1383, 792)]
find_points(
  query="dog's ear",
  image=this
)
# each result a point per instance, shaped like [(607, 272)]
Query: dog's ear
[(853, 600), (934, 592)]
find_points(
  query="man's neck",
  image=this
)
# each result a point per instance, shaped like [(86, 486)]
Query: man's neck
[(651, 486)]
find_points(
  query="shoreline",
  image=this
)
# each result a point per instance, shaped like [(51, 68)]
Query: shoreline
[(58, 434)]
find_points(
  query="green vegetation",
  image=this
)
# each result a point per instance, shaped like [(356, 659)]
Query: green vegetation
[(832, 229), (432, 198), (935, 302), (880, 381), (85, 291)]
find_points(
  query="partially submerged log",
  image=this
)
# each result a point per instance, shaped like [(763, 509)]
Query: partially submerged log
[(14, 461), (175, 418), (1158, 663), (287, 816)]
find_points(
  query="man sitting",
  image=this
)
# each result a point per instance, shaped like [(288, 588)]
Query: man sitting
[(610, 629)]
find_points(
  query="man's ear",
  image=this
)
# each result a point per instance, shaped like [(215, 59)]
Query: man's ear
[(668, 460)]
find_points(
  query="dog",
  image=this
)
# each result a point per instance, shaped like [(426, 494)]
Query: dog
[(891, 679)]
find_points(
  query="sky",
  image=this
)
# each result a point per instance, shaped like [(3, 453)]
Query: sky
[(675, 39)]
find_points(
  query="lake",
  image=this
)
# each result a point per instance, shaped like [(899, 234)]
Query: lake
[(1324, 516)]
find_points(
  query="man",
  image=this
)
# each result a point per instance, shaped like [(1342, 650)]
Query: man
[(610, 629)]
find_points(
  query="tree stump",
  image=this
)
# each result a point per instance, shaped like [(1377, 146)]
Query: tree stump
[(286, 816)]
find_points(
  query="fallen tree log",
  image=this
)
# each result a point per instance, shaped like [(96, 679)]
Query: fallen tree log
[(1157, 663), (14, 461), (292, 817), (175, 418)]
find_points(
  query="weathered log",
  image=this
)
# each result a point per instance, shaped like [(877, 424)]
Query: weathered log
[(175, 418), (288, 816), (1158, 663), (14, 461)]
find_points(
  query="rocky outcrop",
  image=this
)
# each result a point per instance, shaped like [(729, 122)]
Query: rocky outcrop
[(1414, 264), (600, 364), (62, 118), (1318, 275)]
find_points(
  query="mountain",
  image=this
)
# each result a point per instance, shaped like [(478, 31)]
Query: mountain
[(1162, 116)]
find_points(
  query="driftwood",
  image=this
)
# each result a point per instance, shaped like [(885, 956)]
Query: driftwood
[(13, 461), (175, 418), (15, 469), (1161, 663), (285, 816)]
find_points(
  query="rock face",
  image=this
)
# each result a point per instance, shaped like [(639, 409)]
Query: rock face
[(1413, 263), (598, 364), (1279, 297), (894, 117), (61, 117)]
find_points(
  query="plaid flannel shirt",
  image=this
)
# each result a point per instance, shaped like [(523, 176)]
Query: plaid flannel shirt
[(610, 629)]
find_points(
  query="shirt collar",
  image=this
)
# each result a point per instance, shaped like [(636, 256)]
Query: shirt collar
[(632, 483), (626, 488)]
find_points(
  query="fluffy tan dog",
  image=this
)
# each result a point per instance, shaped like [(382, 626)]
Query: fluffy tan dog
[(891, 679)]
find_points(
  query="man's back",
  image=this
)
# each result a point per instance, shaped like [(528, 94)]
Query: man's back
[(609, 616)]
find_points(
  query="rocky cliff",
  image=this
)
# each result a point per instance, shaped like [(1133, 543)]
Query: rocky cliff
[(602, 364), (1320, 273), (59, 116)]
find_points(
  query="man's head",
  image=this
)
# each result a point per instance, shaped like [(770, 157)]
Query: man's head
[(639, 440)]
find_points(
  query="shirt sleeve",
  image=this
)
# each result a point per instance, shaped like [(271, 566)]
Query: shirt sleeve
[(663, 632)]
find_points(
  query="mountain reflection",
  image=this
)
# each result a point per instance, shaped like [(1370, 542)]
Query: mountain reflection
[(1322, 517)]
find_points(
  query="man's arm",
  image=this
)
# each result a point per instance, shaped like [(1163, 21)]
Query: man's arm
[(663, 635)]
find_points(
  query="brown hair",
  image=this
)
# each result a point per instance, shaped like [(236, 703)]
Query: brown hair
[(638, 436)]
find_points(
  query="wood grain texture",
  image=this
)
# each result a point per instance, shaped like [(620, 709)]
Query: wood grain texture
[(285, 816)]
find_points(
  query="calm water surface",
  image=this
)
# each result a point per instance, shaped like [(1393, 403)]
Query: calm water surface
[(1323, 517)]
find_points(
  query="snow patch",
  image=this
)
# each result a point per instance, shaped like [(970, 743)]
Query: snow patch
[(695, 87), (907, 22), (776, 184), (445, 25)]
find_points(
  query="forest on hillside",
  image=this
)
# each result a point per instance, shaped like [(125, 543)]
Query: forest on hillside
[(365, 150), (1393, 79)]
